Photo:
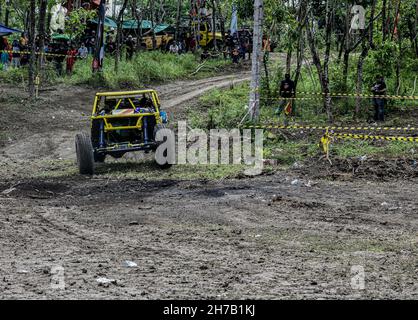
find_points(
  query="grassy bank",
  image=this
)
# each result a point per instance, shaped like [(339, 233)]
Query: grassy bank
[(227, 108), (145, 68)]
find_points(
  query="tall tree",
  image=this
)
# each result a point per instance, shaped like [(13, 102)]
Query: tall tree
[(254, 103), (119, 22), (323, 67), (215, 46), (6, 18), (221, 20), (300, 34), (178, 19), (151, 5), (32, 47), (384, 21), (41, 32), (138, 15), (367, 43)]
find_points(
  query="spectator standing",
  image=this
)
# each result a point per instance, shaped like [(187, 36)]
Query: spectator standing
[(83, 51), (379, 89), (5, 57), (287, 93), (71, 57), (235, 55), (130, 48), (15, 54), (174, 48)]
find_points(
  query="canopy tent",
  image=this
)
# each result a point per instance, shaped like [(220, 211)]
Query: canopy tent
[(147, 25), (5, 31), (164, 28), (133, 24), (61, 37), (108, 22)]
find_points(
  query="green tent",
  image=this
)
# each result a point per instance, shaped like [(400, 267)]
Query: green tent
[(61, 37), (164, 28), (133, 24), (108, 22)]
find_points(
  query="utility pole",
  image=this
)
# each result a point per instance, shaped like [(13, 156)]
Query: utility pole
[(254, 103)]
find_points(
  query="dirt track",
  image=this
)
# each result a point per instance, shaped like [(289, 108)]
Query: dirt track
[(266, 237)]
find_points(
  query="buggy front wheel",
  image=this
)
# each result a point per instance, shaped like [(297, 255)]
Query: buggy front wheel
[(85, 155)]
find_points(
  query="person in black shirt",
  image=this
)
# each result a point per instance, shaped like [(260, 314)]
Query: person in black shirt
[(287, 91), (379, 89), (130, 48)]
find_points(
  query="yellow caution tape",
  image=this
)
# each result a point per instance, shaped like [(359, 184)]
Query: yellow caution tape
[(37, 53), (333, 128), (355, 95), (370, 137)]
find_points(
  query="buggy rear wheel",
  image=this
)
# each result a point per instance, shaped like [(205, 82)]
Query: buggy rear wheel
[(85, 155)]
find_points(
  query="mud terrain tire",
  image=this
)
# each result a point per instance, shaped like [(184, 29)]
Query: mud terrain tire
[(85, 156)]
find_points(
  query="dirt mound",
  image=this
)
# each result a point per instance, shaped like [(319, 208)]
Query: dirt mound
[(348, 169), (35, 189)]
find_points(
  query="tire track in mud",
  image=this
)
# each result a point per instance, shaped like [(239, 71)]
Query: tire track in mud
[(211, 239), (189, 91)]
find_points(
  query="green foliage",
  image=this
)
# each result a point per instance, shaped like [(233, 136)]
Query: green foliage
[(76, 22)]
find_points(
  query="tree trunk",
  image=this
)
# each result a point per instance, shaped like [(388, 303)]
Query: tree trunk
[(254, 103), (323, 70), (99, 44), (399, 62), (416, 29), (154, 40), (299, 54), (6, 18), (329, 18), (359, 86), (367, 44), (215, 46), (32, 48), (289, 59), (222, 21), (138, 18), (299, 57), (384, 21), (41, 33), (119, 22), (178, 19)]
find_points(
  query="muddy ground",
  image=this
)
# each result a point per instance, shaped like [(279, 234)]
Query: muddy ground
[(306, 232)]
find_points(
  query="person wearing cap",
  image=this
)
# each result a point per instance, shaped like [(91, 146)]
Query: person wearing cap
[(130, 45), (379, 90), (287, 92)]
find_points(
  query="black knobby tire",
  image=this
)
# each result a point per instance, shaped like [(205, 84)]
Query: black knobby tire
[(157, 128), (85, 156)]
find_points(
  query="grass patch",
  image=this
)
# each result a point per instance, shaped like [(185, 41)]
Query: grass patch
[(359, 148), (226, 109), (144, 69), (127, 169)]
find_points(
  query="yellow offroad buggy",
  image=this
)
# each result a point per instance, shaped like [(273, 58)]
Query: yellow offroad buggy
[(121, 122)]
